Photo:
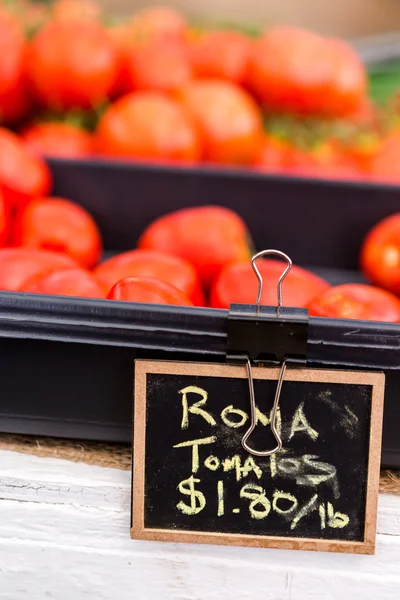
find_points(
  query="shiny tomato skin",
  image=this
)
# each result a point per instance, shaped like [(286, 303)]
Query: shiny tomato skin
[(147, 290), (221, 55), (5, 221), (237, 283), (228, 119), (297, 71), (380, 254), (356, 301), (349, 83), (15, 105), (158, 25), (157, 65), (57, 139), (147, 126), (121, 40), (62, 226), (15, 100), (17, 265), (12, 50), (22, 175), (208, 237), (156, 265), (72, 65), (76, 282)]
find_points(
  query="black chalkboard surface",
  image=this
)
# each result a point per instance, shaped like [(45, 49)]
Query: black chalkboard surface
[(193, 481)]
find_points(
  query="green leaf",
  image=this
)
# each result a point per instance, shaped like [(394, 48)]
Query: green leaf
[(384, 81)]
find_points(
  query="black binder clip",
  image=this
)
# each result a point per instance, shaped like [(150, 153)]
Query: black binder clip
[(259, 334)]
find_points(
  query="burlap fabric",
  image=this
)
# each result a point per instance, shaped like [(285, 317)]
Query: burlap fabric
[(116, 456)]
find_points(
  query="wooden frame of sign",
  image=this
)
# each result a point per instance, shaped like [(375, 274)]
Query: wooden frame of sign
[(143, 530)]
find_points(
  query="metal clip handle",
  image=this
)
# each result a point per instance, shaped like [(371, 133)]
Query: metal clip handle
[(248, 363), (260, 279), (253, 413)]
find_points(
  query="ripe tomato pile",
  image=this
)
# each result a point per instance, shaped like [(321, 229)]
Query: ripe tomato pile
[(155, 88), (199, 256)]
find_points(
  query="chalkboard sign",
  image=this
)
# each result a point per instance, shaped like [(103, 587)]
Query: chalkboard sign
[(193, 482)]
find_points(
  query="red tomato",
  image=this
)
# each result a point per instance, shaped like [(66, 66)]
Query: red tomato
[(75, 10), (15, 104), (365, 114), (385, 165), (12, 49), (238, 284), (380, 254), (156, 265), (69, 282), (14, 98), (157, 65), (62, 226), (72, 64), (147, 290), (356, 301), (147, 125), (221, 55), (149, 25), (157, 22), (324, 161), (209, 237), (17, 265), (361, 153), (122, 40), (273, 155), (294, 70), (228, 119), (59, 139), (5, 221), (22, 175)]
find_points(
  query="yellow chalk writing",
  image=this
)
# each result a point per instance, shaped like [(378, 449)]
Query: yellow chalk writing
[(272, 465), (229, 410), (212, 463), (265, 420), (324, 472), (197, 498), (277, 496), (195, 449), (256, 494), (194, 409), (336, 520), (235, 462), (300, 424), (322, 515), (220, 491), (305, 510), (261, 418), (289, 466), (251, 466)]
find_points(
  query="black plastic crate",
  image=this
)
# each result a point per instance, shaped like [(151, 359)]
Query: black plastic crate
[(316, 222), (67, 364)]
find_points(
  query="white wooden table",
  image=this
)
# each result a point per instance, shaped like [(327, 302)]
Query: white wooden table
[(64, 534)]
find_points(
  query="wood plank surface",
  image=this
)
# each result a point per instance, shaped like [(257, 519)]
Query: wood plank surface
[(64, 533)]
